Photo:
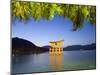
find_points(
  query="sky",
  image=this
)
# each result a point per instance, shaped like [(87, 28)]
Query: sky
[(42, 32)]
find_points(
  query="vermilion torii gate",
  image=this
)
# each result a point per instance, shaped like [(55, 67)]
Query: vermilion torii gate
[(56, 47)]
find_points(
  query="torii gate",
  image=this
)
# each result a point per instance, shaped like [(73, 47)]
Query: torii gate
[(56, 47)]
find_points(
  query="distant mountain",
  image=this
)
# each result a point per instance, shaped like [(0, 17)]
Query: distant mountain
[(47, 46), (21, 43), (78, 47), (81, 47), (22, 46), (89, 47)]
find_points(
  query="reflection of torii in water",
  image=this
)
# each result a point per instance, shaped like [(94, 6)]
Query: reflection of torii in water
[(56, 47)]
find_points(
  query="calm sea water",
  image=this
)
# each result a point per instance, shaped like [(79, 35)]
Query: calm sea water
[(44, 62)]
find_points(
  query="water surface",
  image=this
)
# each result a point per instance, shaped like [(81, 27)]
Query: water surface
[(69, 60)]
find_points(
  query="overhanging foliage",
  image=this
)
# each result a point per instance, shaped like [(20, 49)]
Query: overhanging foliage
[(40, 10)]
